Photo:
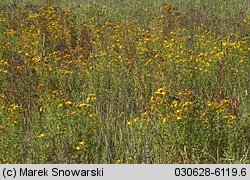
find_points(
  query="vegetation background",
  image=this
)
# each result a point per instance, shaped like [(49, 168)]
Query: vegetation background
[(124, 81)]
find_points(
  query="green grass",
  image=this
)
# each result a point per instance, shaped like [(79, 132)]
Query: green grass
[(124, 81)]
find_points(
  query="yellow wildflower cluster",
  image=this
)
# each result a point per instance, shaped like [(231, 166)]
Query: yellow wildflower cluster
[(10, 114), (81, 145), (73, 109), (183, 106), (41, 136)]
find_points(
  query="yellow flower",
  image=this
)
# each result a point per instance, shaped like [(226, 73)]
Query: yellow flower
[(136, 119), (129, 123), (178, 111), (118, 161), (175, 103), (224, 43), (130, 158), (144, 114), (178, 118), (78, 148), (161, 91), (209, 104), (233, 117), (60, 105), (15, 107), (225, 101), (82, 143), (91, 97), (187, 103), (41, 136), (41, 109), (83, 105), (68, 102)]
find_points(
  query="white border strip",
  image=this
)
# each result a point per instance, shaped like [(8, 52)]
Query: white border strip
[(124, 171)]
